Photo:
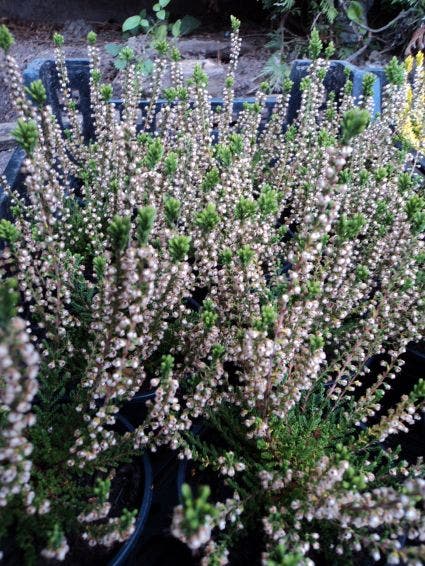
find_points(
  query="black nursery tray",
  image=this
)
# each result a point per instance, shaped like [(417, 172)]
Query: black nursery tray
[(79, 74)]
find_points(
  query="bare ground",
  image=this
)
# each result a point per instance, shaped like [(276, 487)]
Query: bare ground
[(34, 41)]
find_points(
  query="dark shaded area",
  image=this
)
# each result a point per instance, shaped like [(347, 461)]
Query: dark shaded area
[(111, 11)]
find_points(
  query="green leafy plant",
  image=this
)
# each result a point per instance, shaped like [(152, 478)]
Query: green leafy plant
[(346, 21), (155, 27)]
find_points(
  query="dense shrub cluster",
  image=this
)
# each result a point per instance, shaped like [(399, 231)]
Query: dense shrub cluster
[(246, 271)]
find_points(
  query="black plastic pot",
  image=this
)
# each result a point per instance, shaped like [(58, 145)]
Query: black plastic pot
[(79, 72), (83, 555), (127, 549), (135, 409)]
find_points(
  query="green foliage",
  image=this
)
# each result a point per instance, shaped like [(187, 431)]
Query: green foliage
[(9, 298), (235, 23), (328, 9), (291, 133), (266, 352), (252, 107), (217, 351), (368, 83), (125, 57), (175, 55), (362, 273), (170, 94), (314, 431), (126, 519), (364, 177), (383, 216), (316, 342), (91, 38), (226, 256), (172, 209), (208, 218), (144, 138), (196, 509), (268, 202), (211, 179), (58, 39), (167, 365), (113, 49), (179, 248), (350, 227), (37, 92), (9, 232), (161, 46), (380, 173), (315, 45), (157, 26), (313, 289), (394, 72), (321, 73), (305, 84), (326, 139), (119, 233), (354, 122), (208, 316), (200, 77), (132, 23), (418, 391), (188, 24), (405, 181), (182, 93), (154, 153), (236, 143), (245, 208), (268, 318), (26, 135), (329, 50), (127, 54), (281, 557), (6, 38), (55, 537), (245, 255), (229, 82), (106, 92), (99, 266), (415, 209), (355, 11), (145, 221), (276, 70), (347, 23), (223, 155), (345, 176), (101, 490)]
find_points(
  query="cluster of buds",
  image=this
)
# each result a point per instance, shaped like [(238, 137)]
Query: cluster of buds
[(196, 518), (116, 529), (19, 363)]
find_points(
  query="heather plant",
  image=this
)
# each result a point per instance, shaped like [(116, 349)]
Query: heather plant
[(243, 270), (300, 428)]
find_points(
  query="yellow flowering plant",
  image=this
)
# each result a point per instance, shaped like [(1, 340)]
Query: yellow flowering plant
[(413, 121)]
